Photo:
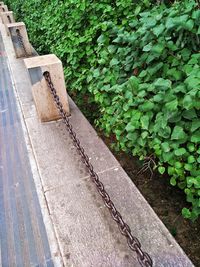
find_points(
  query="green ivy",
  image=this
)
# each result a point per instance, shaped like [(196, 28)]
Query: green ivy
[(138, 63)]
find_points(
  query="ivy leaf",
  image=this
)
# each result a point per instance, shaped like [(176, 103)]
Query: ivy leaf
[(165, 146), (196, 137), (189, 114), (147, 47), (162, 83), (161, 169), (195, 125), (134, 83), (144, 134), (189, 25), (171, 106), (114, 62), (158, 30), (145, 122), (147, 106), (180, 151), (178, 133), (128, 95), (165, 133), (187, 102), (102, 39), (186, 213), (158, 48), (112, 49), (173, 181), (130, 127), (132, 136)]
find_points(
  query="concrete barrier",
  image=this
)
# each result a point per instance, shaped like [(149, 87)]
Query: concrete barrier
[(45, 106), (20, 39), (7, 18), (3, 8)]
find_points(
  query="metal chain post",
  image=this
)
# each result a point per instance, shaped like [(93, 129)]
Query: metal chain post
[(143, 258), (20, 40)]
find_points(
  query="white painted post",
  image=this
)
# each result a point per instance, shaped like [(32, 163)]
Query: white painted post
[(44, 102), (23, 49), (7, 18)]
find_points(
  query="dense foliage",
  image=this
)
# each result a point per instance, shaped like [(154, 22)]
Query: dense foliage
[(140, 65)]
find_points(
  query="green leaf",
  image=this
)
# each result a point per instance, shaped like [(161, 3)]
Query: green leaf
[(144, 134), (187, 102), (132, 136), (102, 39), (195, 125), (128, 95), (134, 83), (186, 213), (178, 133), (147, 106), (162, 83), (180, 151), (173, 181), (196, 137), (158, 29), (130, 127), (158, 48), (188, 167), (191, 159), (161, 169), (165, 133), (189, 25), (147, 47), (144, 122), (189, 114), (178, 165), (114, 62), (111, 49), (171, 106), (191, 147), (165, 146), (96, 73)]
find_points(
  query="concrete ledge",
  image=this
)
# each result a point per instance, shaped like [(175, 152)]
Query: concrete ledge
[(86, 233)]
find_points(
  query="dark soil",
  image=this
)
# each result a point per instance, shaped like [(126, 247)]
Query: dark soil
[(167, 202)]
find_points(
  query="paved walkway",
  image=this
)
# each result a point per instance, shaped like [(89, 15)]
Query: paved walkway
[(23, 239)]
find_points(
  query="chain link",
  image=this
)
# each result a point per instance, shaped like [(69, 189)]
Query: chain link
[(21, 42), (143, 258)]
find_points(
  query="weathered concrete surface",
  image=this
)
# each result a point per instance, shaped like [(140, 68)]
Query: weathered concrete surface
[(7, 17), (36, 66), (24, 237), (19, 50), (86, 234)]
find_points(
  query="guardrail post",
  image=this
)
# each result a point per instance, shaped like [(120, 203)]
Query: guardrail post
[(44, 103), (20, 40), (7, 18), (3, 8)]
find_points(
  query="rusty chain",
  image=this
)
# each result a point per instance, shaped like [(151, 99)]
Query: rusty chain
[(143, 258), (21, 42)]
